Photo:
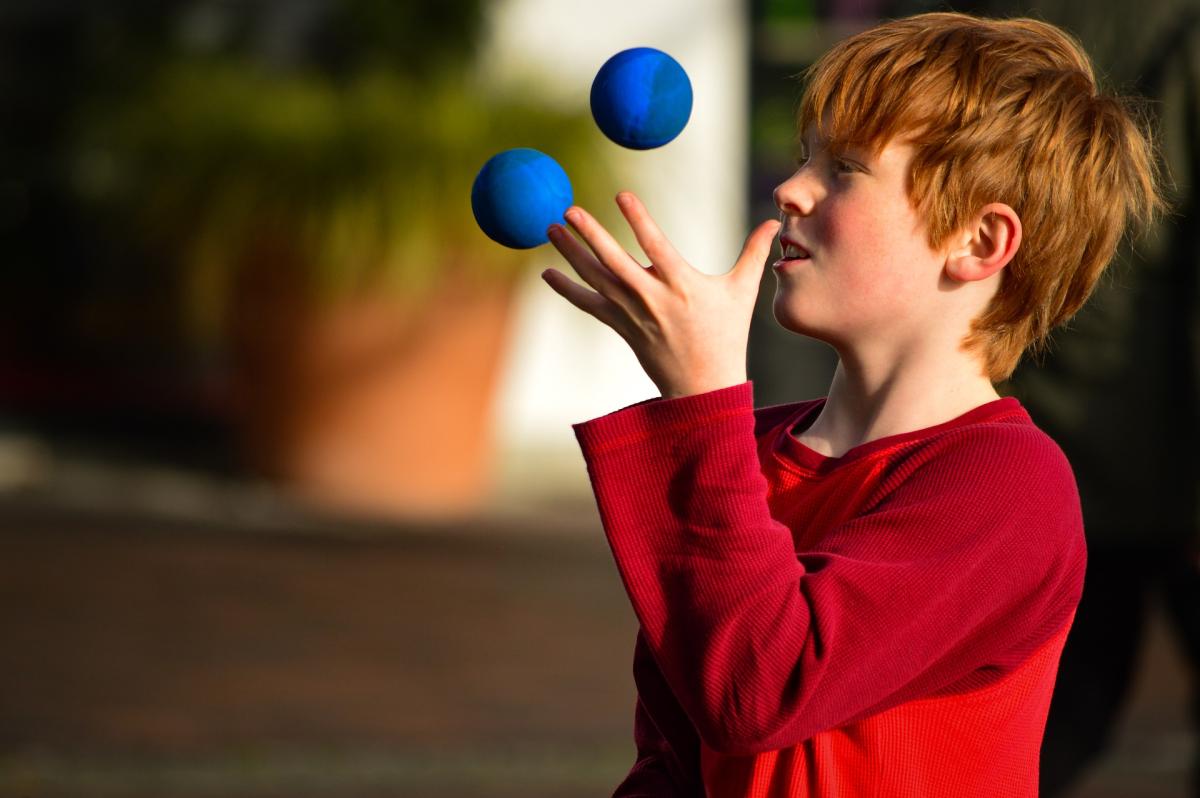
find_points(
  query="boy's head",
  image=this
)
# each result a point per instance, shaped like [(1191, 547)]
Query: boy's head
[(991, 114)]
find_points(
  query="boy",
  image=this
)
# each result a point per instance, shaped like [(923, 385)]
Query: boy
[(866, 594)]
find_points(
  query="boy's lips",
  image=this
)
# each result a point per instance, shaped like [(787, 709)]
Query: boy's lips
[(792, 251)]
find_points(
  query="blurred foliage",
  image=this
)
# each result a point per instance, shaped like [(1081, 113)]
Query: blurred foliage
[(177, 142), (786, 10), (352, 183), (413, 38)]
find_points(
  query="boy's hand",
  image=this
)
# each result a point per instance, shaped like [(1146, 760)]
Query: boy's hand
[(688, 329)]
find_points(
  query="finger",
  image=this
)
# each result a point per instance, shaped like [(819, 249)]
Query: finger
[(750, 264), (650, 238), (586, 266), (610, 253), (589, 302)]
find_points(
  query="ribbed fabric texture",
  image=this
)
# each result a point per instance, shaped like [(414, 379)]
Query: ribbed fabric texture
[(883, 623)]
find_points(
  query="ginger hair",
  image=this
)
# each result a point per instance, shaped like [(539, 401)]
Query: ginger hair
[(999, 111)]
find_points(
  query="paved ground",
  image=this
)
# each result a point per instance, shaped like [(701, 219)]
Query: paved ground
[(165, 658), (146, 655)]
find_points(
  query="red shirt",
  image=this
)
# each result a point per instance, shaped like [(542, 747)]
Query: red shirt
[(885, 623)]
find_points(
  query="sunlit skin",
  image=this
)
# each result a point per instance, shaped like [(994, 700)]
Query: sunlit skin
[(688, 329), (893, 308)]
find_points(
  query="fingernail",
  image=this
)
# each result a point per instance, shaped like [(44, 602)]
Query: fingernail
[(571, 215), (623, 199)]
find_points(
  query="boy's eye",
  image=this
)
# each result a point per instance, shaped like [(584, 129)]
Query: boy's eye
[(844, 166)]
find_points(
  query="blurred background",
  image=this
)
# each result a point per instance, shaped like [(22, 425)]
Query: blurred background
[(289, 499)]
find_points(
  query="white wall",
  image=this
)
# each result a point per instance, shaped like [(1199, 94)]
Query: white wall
[(563, 366)]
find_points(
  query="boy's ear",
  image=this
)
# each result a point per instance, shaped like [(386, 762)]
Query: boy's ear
[(986, 245)]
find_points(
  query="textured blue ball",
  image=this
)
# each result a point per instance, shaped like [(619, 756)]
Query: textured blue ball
[(518, 194), (641, 98)]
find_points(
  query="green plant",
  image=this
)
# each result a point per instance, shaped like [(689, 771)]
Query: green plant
[(364, 182)]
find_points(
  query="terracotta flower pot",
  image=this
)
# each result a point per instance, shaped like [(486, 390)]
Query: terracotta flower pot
[(374, 403)]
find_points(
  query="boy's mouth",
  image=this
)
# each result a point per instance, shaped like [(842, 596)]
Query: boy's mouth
[(792, 249)]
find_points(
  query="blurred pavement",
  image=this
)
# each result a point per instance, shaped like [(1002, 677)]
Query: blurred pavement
[(168, 634)]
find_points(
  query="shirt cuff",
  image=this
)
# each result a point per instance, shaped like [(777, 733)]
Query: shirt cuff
[(657, 417)]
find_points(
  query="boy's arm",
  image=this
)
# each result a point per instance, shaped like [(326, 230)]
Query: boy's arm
[(668, 760), (650, 776), (764, 647)]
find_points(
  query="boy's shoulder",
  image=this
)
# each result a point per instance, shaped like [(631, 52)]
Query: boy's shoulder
[(1008, 443)]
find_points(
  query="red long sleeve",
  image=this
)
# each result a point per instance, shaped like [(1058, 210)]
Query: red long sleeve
[(778, 602), (663, 768)]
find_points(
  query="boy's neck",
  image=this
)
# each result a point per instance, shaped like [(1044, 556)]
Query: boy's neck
[(854, 415)]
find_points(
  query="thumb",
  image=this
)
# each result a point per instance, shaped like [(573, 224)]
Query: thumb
[(753, 260)]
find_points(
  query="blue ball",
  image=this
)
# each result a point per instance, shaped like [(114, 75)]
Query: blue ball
[(519, 193), (641, 98)]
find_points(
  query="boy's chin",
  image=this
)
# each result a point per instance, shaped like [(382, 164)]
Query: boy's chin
[(801, 321), (789, 319)]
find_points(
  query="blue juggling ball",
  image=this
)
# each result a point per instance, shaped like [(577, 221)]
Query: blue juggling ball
[(641, 98), (519, 193)]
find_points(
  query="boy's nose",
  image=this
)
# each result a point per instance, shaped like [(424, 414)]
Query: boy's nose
[(794, 196)]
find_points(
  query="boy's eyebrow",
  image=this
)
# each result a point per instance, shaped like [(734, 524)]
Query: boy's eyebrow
[(808, 142), (811, 140)]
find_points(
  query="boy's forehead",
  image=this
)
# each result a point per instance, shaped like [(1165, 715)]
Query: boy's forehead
[(823, 135), (820, 139), (815, 137)]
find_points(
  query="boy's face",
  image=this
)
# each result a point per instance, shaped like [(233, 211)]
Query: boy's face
[(869, 274)]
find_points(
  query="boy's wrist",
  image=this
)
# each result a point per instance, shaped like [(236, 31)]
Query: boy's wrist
[(707, 385)]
